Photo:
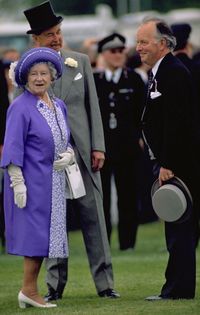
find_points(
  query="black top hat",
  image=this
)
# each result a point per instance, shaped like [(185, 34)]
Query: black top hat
[(181, 32), (172, 201), (41, 18), (114, 40)]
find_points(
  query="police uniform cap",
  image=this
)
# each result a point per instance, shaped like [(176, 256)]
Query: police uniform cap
[(112, 41), (181, 32)]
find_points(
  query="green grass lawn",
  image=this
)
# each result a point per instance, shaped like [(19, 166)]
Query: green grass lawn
[(138, 273)]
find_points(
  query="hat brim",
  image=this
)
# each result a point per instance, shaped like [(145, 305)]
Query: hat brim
[(114, 46), (33, 56), (58, 20), (172, 202)]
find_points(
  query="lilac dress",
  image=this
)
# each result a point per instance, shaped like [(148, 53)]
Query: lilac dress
[(35, 135)]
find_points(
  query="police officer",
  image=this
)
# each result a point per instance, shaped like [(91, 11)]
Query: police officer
[(120, 91)]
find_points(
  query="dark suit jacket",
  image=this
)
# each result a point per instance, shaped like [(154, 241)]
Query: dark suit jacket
[(187, 61), (125, 100), (168, 121)]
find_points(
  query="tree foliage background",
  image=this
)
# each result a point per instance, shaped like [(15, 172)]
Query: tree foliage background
[(76, 7)]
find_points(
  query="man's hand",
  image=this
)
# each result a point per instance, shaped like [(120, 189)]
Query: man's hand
[(165, 174), (98, 159)]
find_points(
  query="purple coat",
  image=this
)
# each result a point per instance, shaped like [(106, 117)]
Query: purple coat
[(29, 144)]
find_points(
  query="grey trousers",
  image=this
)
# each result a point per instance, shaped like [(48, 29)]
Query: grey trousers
[(90, 211)]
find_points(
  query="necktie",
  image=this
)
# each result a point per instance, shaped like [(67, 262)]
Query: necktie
[(112, 78), (150, 80)]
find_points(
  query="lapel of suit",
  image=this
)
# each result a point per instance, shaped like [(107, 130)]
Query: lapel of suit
[(159, 74), (167, 60)]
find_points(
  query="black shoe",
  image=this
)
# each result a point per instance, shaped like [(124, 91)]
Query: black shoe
[(156, 298), (109, 293), (52, 295)]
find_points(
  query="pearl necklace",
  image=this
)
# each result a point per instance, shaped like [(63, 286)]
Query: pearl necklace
[(48, 101)]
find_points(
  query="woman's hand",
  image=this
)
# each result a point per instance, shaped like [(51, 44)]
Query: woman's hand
[(66, 158), (20, 195), (17, 183)]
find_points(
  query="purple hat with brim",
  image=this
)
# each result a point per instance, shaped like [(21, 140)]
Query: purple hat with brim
[(34, 56)]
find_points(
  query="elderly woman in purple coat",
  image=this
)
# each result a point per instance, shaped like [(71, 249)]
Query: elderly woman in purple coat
[(35, 154)]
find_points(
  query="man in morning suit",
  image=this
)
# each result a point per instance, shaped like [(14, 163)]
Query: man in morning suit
[(77, 89), (169, 131), (120, 91)]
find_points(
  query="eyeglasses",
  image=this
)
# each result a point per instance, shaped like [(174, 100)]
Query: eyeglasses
[(117, 50)]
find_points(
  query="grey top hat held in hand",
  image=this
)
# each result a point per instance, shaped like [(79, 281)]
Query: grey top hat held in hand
[(172, 201)]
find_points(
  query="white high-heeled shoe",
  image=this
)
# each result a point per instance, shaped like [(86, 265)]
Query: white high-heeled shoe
[(25, 301)]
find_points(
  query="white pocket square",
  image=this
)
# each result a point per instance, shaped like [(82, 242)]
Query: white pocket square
[(155, 94), (78, 76)]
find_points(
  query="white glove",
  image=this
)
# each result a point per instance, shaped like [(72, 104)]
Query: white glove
[(20, 196), (17, 183), (67, 158)]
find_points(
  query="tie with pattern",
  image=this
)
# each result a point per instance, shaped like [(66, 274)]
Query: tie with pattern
[(150, 80)]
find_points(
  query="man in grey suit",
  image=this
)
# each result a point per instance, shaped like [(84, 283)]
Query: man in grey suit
[(77, 89)]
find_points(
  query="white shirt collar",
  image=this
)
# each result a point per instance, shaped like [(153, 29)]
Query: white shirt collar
[(156, 66), (115, 76)]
